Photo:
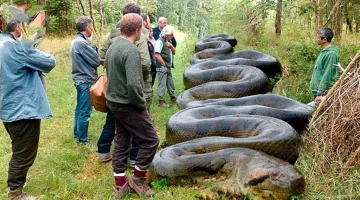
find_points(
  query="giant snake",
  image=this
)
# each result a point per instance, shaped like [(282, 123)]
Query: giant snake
[(226, 110)]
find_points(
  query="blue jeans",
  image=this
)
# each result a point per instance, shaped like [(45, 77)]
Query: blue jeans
[(82, 112), (108, 134)]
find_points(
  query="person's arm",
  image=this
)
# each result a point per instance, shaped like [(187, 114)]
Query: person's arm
[(171, 47), (142, 45), (134, 79), (330, 73), (159, 59), (158, 49), (103, 49), (38, 60), (88, 54)]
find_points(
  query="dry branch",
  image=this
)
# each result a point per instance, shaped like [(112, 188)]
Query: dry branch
[(335, 136)]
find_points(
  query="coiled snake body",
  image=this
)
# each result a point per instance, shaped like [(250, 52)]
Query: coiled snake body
[(207, 135)]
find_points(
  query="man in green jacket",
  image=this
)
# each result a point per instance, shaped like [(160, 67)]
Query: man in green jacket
[(325, 72)]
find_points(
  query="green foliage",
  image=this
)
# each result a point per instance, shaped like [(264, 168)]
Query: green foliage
[(297, 197), (160, 185), (61, 14), (19, 2)]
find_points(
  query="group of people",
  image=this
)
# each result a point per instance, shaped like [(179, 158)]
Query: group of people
[(133, 55)]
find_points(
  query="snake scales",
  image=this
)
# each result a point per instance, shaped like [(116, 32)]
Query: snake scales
[(226, 110)]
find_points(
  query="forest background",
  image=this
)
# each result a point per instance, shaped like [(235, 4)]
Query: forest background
[(283, 29)]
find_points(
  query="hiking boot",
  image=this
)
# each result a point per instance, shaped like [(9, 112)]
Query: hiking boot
[(19, 194), (140, 186), (173, 100), (162, 103), (104, 157), (122, 191)]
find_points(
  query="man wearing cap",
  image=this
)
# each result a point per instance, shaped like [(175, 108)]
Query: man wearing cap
[(164, 52)]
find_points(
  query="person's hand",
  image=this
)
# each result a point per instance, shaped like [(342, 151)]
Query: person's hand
[(168, 44), (95, 47), (318, 100)]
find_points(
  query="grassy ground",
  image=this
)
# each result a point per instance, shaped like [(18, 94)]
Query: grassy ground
[(64, 170)]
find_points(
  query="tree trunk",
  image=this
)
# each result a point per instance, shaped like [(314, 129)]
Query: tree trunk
[(339, 19), (41, 2), (91, 8), (278, 18), (252, 20), (182, 15), (83, 9), (318, 15), (101, 6), (349, 25)]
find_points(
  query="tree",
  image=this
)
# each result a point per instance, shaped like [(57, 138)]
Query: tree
[(61, 15), (278, 17), (82, 6), (91, 8)]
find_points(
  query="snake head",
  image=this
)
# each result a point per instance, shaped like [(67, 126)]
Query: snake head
[(273, 179)]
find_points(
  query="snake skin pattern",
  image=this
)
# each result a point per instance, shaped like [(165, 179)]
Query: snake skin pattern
[(227, 122)]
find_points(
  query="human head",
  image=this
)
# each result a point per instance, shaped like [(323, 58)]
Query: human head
[(131, 8), (23, 5), (130, 25), (146, 20), (168, 32), (162, 22), (84, 25), (14, 27), (325, 34)]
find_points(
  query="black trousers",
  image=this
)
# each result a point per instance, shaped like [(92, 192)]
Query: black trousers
[(131, 122), (24, 135)]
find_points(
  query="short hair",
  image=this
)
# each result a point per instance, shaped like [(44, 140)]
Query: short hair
[(82, 22), (161, 19), (144, 16), (129, 23), (167, 30), (326, 33), (19, 2), (131, 8), (12, 24)]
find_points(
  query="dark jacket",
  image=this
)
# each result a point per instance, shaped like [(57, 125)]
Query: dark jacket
[(165, 53), (84, 60)]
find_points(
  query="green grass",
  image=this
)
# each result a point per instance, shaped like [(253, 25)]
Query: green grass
[(64, 170)]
